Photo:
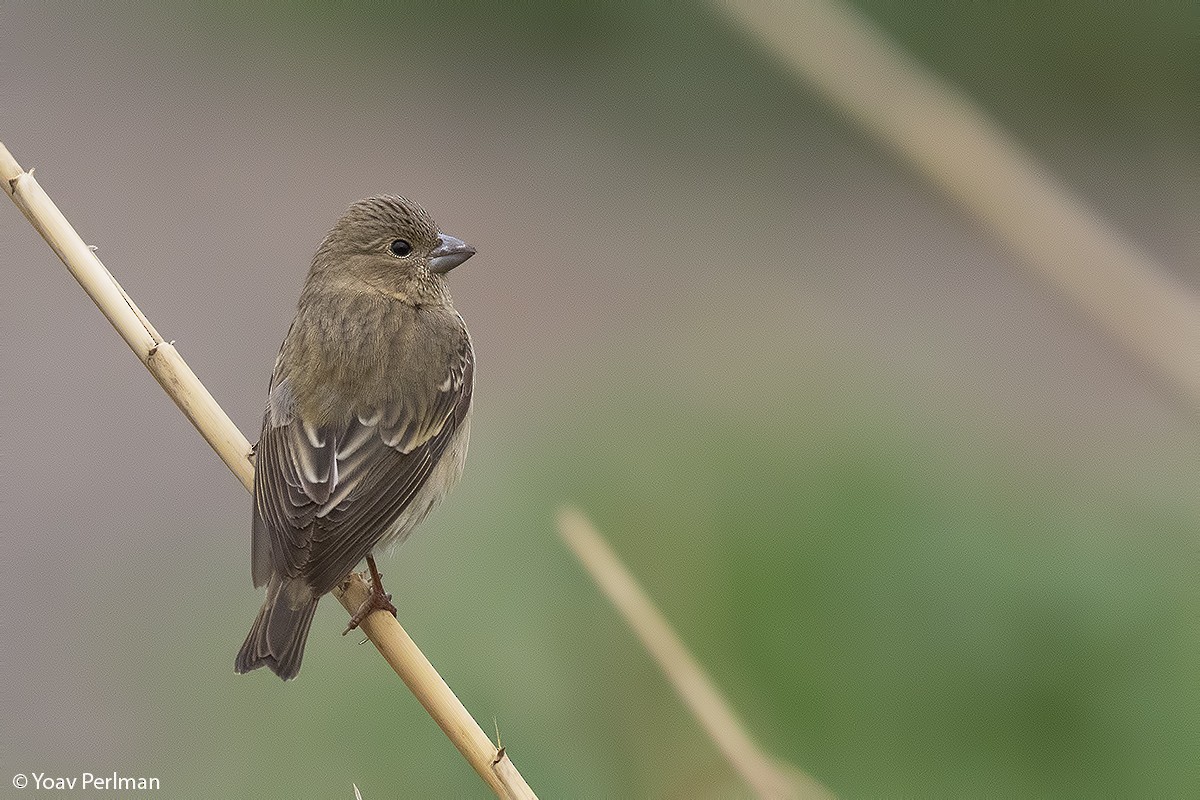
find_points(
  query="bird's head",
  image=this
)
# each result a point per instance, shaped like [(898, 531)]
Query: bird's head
[(392, 245)]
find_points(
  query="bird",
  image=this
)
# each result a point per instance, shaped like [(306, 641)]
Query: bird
[(367, 419)]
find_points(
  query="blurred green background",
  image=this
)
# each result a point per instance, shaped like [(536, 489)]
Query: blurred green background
[(928, 529)]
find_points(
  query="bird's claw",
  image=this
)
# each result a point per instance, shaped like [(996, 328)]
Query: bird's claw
[(377, 600)]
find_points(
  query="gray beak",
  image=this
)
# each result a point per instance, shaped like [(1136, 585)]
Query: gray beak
[(449, 253)]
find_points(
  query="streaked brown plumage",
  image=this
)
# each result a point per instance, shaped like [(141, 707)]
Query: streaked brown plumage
[(367, 419)]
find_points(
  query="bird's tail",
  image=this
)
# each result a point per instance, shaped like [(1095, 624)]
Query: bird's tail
[(276, 640)]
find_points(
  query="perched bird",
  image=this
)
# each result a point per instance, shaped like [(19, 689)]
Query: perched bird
[(366, 422)]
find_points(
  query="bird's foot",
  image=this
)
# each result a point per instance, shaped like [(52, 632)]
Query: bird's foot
[(377, 600)]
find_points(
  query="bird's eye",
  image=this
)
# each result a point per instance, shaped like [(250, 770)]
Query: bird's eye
[(400, 248)]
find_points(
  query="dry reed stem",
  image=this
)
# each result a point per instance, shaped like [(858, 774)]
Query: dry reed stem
[(952, 143), (178, 380), (402, 653), (766, 776)]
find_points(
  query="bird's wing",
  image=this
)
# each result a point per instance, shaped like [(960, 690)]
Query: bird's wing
[(325, 496)]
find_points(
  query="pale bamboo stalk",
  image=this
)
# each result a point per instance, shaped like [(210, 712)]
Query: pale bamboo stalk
[(952, 143), (767, 777), (160, 357), (402, 653), (178, 380)]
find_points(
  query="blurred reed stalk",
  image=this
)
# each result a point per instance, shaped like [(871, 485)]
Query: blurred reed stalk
[(953, 144), (768, 777), (178, 380)]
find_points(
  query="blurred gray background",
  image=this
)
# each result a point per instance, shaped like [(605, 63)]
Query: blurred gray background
[(929, 529)]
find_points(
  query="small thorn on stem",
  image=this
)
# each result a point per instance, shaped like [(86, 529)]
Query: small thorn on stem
[(499, 745)]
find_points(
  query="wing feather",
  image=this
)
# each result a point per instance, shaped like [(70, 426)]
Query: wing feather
[(326, 495)]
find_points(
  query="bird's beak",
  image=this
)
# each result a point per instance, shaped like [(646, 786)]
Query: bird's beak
[(449, 253)]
